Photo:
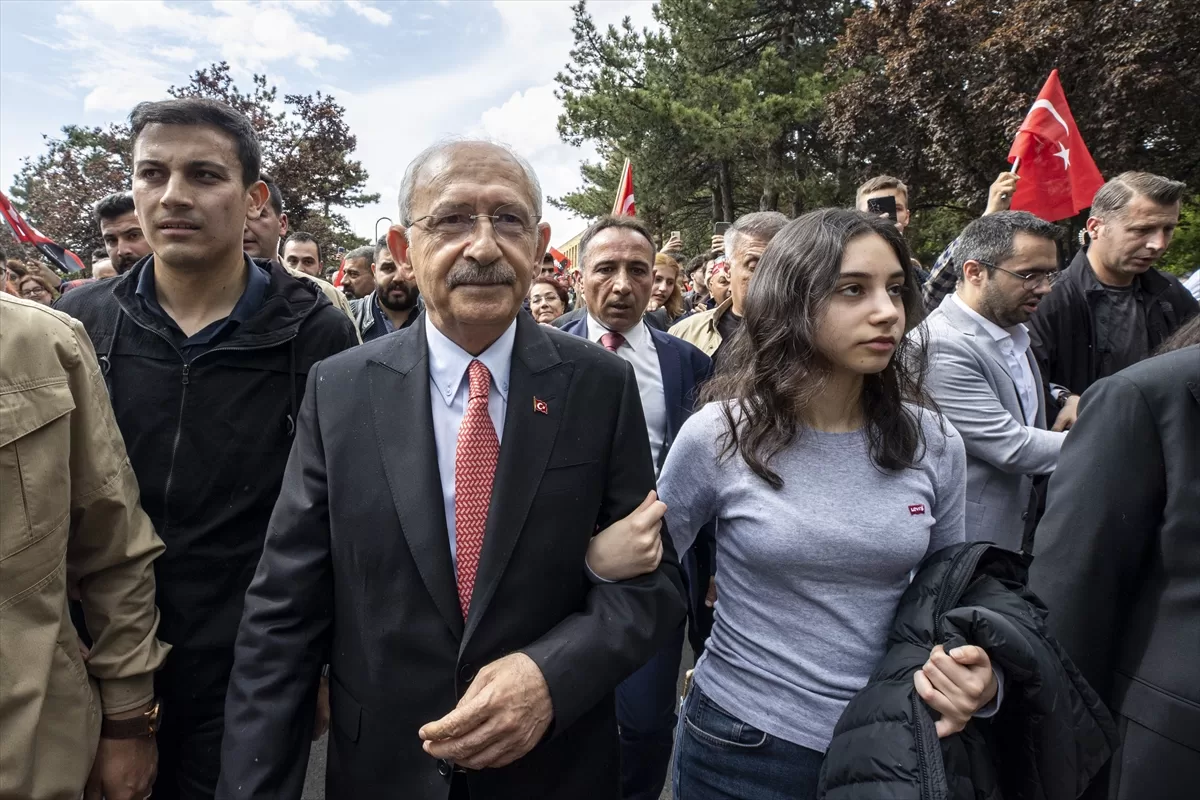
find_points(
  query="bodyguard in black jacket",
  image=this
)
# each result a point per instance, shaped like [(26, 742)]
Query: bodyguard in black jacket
[(1048, 740), (1118, 563), (208, 415)]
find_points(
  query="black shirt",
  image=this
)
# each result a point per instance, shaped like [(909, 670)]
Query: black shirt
[(727, 325)]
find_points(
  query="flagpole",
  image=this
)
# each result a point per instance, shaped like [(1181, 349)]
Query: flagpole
[(1016, 163)]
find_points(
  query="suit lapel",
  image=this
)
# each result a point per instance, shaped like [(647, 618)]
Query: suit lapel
[(399, 382), (1038, 390), (537, 374), (961, 320), (671, 368)]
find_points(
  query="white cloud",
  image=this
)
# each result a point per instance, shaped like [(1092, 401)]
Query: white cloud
[(373, 15), (250, 36)]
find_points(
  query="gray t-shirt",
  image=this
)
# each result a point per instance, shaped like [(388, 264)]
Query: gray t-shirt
[(1121, 338), (808, 576)]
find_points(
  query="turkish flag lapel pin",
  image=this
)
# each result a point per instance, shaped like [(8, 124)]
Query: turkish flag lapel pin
[(540, 406)]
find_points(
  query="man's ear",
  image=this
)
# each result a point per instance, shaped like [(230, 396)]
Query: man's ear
[(398, 245), (972, 270), (283, 225), (1093, 225), (259, 194), (543, 243)]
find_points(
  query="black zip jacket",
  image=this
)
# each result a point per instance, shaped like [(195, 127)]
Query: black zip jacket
[(208, 438), (1063, 332), (1050, 736)]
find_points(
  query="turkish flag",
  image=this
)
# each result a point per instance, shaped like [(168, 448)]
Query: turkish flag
[(1058, 176), (63, 259), (624, 205)]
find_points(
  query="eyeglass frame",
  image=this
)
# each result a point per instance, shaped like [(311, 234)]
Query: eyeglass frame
[(1050, 278), (534, 220)]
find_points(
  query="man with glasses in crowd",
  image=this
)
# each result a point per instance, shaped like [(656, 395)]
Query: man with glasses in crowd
[(982, 372), (430, 538)]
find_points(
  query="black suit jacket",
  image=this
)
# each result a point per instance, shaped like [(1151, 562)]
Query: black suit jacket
[(1118, 565), (357, 570)]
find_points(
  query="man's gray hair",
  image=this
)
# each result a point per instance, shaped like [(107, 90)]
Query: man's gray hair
[(408, 184), (759, 224), (1116, 195), (366, 251), (991, 239)]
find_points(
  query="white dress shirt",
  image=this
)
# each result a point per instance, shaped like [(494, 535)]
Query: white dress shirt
[(1014, 344), (639, 350), (449, 390)]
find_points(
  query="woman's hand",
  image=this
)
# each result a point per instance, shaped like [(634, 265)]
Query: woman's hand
[(631, 546), (956, 685)]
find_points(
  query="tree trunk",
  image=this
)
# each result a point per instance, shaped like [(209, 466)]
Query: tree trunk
[(728, 212), (769, 200)]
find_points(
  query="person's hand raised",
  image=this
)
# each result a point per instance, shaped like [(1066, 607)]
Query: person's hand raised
[(1001, 192)]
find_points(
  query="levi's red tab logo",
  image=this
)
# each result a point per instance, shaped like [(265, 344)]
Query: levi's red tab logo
[(916, 509)]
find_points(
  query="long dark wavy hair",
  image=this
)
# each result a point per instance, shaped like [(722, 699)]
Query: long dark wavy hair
[(772, 369)]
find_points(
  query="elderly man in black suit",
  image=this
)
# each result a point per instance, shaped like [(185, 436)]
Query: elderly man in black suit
[(430, 540)]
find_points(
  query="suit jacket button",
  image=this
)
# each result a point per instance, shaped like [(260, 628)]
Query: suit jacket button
[(466, 673), (444, 768)]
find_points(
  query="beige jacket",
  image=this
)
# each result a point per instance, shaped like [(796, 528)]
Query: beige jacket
[(332, 292), (701, 329), (69, 517)]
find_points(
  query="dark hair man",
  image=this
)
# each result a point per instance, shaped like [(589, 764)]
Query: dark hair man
[(745, 242), (395, 301), (357, 279), (70, 521), (616, 256), (698, 296), (205, 352), (261, 240), (1117, 565), (982, 373), (549, 268), (121, 231), (484, 450), (302, 251), (1112, 308)]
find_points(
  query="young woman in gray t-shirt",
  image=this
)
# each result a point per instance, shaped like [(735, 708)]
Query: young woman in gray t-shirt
[(829, 483)]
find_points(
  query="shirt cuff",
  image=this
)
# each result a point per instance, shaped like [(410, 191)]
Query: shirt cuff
[(592, 576), (992, 707)]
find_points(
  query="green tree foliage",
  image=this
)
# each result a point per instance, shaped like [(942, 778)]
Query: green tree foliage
[(307, 147), (719, 111), (935, 91)]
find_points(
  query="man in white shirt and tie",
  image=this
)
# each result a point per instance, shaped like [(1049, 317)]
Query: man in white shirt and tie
[(616, 256), (470, 653), (982, 373)]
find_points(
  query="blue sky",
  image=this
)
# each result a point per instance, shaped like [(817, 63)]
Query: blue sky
[(408, 73)]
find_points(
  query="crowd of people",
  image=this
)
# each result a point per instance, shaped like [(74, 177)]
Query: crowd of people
[(926, 533)]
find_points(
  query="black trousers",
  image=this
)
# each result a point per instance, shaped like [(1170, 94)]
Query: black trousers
[(192, 688)]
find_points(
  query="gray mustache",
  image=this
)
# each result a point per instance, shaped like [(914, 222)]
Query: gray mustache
[(472, 273)]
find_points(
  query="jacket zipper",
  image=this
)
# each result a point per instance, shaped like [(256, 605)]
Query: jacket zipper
[(179, 420), (962, 567), (922, 761), (175, 448)]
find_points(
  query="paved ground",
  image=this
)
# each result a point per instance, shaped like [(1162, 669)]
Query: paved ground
[(314, 784)]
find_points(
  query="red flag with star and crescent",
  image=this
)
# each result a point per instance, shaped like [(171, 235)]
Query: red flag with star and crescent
[(1058, 176), (624, 205)]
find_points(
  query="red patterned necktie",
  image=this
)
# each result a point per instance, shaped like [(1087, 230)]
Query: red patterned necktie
[(612, 341), (474, 470)]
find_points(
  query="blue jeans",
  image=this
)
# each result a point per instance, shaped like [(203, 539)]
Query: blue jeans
[(646, 719), (719, 757)]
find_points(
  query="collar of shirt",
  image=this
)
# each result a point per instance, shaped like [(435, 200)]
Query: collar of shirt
[(448, 362), (1018, 333), (635, 337), (258, 280)]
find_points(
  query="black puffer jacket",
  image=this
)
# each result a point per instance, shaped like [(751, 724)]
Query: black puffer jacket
[(1048, 740)]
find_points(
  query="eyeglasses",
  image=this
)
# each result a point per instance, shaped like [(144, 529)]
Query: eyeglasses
[(1030, 280), (509, 222)]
